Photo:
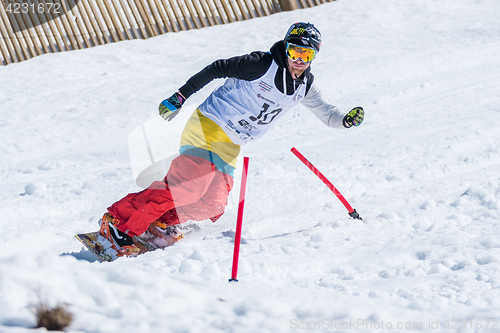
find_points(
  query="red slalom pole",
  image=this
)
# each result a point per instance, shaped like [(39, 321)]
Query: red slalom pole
[(352, 211), (239, 222)]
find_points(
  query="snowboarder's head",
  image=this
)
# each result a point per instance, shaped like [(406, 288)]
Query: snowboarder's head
[(302, 41)]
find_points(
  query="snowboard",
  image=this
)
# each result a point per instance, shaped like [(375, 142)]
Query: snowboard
[(147, 242)]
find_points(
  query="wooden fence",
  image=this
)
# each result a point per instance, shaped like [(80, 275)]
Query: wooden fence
[(33, 27)]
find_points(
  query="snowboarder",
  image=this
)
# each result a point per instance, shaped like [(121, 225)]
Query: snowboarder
[(260, 88)]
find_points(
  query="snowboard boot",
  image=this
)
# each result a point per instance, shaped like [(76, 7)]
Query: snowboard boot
[(120, 241), (169, 233)]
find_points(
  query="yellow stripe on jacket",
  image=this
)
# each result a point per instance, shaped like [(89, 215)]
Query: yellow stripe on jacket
[(202, 137)]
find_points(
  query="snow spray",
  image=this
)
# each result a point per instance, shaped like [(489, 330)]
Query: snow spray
[(239, 222), (352, 211)]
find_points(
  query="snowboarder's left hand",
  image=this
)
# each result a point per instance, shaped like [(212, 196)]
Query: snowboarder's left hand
[(354, 117), (170, 107)]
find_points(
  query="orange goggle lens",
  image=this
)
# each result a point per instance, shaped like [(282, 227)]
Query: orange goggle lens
[(294, 52)]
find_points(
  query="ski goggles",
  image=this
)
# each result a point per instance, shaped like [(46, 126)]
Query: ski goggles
[(294, 52)]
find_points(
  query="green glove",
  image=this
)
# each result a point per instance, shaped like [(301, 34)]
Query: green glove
[(170, 107), (354, 117)]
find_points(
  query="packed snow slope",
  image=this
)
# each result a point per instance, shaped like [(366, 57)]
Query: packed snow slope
[(423, 171)]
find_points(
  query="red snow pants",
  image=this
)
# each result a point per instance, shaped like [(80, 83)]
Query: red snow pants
[(193, 189)]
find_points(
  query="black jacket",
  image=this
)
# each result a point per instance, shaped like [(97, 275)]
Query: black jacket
[(249, 67)]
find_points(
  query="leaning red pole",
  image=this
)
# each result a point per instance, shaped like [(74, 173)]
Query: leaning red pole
[(239, 222), (352, 211)]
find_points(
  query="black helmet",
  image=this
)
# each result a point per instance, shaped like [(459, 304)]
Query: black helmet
[(304, 34)]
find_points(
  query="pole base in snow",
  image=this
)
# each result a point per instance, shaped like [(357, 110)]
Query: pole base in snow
[(233, 280), (355, 215)]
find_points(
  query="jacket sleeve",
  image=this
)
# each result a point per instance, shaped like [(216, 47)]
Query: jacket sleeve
[(329, 114), (247, 67)]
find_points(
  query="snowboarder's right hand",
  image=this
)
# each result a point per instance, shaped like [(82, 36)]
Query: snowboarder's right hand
[(170, 107)]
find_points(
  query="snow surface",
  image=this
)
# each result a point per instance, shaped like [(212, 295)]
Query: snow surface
[(423, 171)]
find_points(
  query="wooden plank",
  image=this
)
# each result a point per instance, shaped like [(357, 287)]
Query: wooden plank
[(10, 39), (22, 30), (208, 13), (159, 26), (252, 10), (274, 5), (166, 21), (145, 18), (171, 16), (301, 3), (107, 21), (102, 30), (109, 18), (19, 36), (289, 5), (187, 18), (29, 23), (17, 30), (200, 13), (117, 27), (131, 21), (90, 22), (67, 21), (46, 29), (244, 11), (37, 26), (140, 23), (71, 33), (227, 11), (5, 54), (82, 24), (255, 8), (234, 8), (192, 14), (220, 10), (5, 48), (123, 21), (262, 7), (24, 23), (55, 26), (178, 16), (268, 7), (76, 21)]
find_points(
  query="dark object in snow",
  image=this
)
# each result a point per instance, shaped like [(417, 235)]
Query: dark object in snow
[(53, 319)]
